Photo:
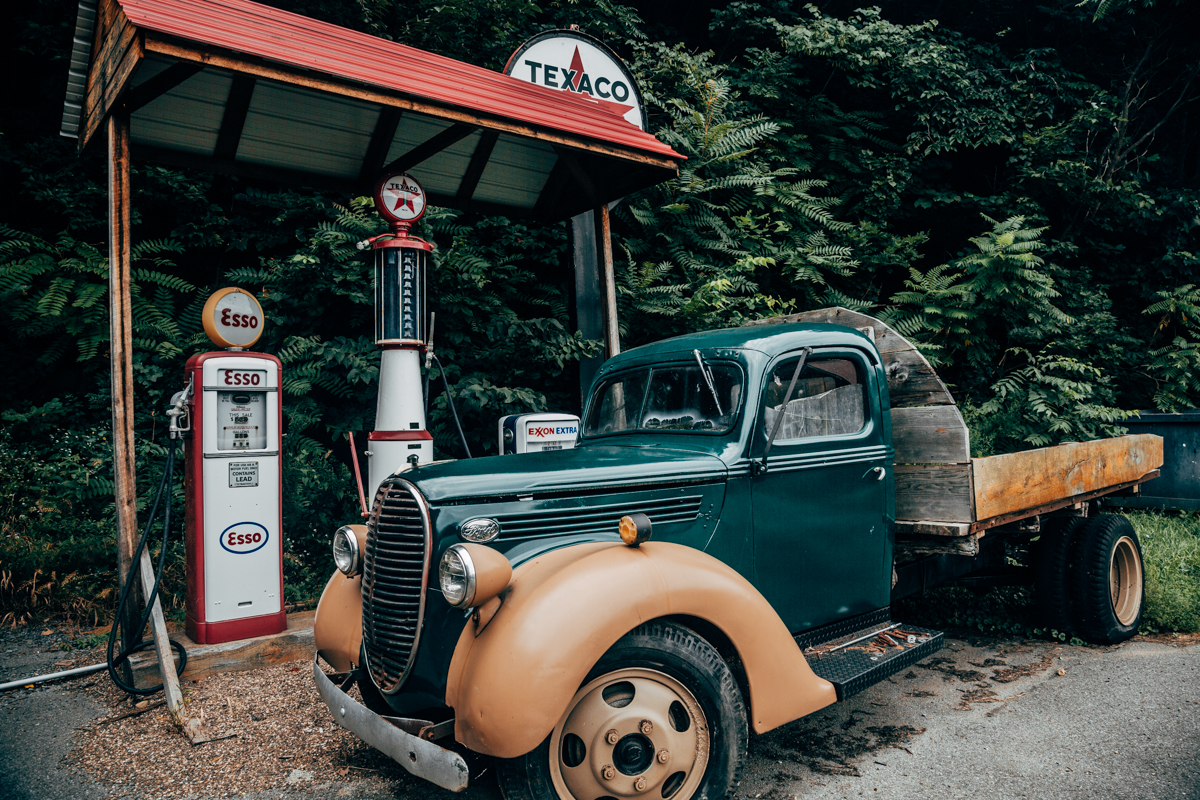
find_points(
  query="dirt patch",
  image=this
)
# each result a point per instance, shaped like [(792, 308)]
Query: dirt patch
[(1177, 639), (1010, 674), (990, 662), (283, 735), (831, 749), (949, 671)]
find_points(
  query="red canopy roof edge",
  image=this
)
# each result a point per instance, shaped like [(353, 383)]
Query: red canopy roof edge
[(282, 36)]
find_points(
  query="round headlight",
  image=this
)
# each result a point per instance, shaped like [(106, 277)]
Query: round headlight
[(345, 551), (456, 574)]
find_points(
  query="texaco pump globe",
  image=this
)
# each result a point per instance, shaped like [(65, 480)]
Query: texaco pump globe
[(400, 198)]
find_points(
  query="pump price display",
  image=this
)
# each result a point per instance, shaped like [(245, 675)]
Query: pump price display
[(241, 377), (241, 417)]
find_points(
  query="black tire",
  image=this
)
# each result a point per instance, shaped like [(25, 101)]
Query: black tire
[(690, 664), (1051, 570), (1108, 580)]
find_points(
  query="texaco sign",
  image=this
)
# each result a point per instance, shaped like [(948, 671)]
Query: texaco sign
[(574, 62)]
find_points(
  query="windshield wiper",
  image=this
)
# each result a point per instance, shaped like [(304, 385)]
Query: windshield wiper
[(760, 466), (704, 370)]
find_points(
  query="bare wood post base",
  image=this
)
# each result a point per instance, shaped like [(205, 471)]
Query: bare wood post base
[(162, 645)]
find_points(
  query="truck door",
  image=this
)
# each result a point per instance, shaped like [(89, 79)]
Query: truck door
[(822, 547)]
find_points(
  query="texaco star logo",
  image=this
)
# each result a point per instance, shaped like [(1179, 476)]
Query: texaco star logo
[(402, 198)]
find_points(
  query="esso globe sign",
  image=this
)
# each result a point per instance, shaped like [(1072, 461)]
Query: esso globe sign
[(574, 62), (400, 198), (233, 318)]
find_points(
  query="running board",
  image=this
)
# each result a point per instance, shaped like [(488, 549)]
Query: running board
[(864, 657)]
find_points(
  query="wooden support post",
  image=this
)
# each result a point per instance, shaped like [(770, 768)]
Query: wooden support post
[(120, 317), (612, 333), (588, 306)]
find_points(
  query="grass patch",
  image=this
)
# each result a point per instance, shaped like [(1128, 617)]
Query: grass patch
[(1171, 552)]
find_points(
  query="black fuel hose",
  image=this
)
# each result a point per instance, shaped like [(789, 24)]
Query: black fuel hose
[(117, 659), (453, 411)]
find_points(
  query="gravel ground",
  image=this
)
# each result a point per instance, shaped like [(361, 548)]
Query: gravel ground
[(984, 718)]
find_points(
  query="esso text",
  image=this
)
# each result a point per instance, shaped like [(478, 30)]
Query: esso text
[(233, 377), (244, 537), (238, 320)]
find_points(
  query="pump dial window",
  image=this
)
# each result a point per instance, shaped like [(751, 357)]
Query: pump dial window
[(241, 420)]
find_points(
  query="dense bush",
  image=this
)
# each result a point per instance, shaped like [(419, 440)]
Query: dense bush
[(1020, 199)]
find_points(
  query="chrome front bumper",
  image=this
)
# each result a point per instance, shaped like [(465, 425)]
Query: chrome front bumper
[(421, 757)]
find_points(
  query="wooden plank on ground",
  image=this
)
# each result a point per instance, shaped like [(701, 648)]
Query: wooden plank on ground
[(911, 379), (930, 435), (1009, 483), (293, 644), (934, 492)]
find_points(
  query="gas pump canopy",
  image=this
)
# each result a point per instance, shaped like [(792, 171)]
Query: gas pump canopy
[(238, 87)]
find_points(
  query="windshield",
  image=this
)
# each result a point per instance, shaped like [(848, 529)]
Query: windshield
[(668, 398)]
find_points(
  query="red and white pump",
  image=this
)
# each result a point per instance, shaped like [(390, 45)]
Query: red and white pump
[(400, 438), (234, 489)]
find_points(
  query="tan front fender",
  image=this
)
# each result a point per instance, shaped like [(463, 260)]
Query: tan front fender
[(510, 684), (337, 629)]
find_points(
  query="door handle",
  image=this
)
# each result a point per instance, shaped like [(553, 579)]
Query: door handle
[(879, 472)]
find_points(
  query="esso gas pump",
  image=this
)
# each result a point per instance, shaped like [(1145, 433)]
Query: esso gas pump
[(233, 475), (400, 438)]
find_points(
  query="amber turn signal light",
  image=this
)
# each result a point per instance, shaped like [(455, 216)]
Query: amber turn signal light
[(635, 529)]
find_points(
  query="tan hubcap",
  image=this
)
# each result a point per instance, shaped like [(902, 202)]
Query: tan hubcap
[(631, 733), (1125, 581)]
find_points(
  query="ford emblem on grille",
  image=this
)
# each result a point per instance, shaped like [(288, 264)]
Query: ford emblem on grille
[(479, 530)]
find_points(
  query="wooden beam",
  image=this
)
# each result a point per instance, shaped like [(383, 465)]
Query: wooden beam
[(430, 147), (189, 51), (934, 492), (159, 85), (120, 320), (1014, 482), (930, 435), (241, 91), (377, 149), (479, 161), (116, 53), (162, 645), (612, 333)]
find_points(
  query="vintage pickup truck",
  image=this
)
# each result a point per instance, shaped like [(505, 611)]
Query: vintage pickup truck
[(718, 554)]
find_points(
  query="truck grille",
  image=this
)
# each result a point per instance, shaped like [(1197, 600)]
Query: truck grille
[(395, 577)]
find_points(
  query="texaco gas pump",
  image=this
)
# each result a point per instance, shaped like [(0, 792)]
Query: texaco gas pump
[(234, 516), (400, 438)]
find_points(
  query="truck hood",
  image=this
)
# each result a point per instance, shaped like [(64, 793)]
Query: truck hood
[(586, 468)]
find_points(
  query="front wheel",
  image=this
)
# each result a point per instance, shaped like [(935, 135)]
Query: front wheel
[(1108, 580), (659, 716)]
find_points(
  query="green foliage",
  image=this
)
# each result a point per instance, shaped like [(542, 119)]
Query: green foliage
[(1171, 553)]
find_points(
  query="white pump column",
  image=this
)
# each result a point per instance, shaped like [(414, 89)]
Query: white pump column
[(400, 432)]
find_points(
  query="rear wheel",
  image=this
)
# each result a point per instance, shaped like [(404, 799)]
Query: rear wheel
[(659, 717), (1051, 573), (1107, 580)]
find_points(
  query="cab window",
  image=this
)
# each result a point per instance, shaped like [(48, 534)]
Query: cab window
[(829, 399), (667, 398)]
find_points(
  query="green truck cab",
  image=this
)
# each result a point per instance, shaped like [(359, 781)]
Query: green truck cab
[(717, 555)]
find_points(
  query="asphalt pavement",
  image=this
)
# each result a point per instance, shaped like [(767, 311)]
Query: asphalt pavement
[(986, 718)]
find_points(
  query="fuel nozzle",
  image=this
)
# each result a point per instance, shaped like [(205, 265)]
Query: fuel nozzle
[(181, 421)]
